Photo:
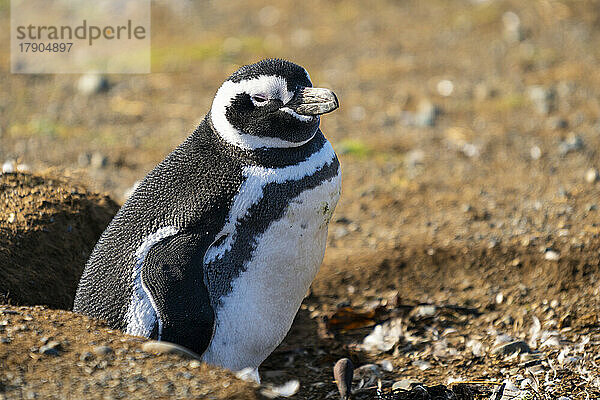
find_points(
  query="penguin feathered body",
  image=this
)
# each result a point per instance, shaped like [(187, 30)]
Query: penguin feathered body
[(216, 247)]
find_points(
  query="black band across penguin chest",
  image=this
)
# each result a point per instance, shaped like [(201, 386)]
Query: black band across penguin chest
[(264, 198)]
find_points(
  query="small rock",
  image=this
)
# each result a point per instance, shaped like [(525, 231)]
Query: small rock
[(92, 83), (404, 384), (288, 389), (542, 99), (445, 87), (366, 375), (9, 167), (5, 340), (343, 372), (422, 364), (513, 31), (535, 153), (83, 159), (551, 255), (591, 175), (98, 160), (11, 218), (499, 298), (156, 347), (102, 350), (340, 232), (556, 123), (483, 92), (386, 365), (571, 143), (426, 114), (51, 348), (384, 336), (424, 311), (476, 347), (511, 348), (87, 356), (248, 374), (194, 364)]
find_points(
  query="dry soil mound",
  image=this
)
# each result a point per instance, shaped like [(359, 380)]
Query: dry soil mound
[(56, 354), (48, 227)]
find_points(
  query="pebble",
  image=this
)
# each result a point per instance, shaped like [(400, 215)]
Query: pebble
[(288, 389), (483, 92), (426, 114), (11, 218), (102, 350), (513, 31), (92, 83), (98, 160), (422, 364), (51, 348), (156, 347), (9, 166), (476, 347), (445, 87), (343, 373), (551, 255), (511, 348), (404, 384), (195, 364), (556, 123), (542, 99), (386, 365), (571, 143), (384, 336), (87, 356), (591, 175), (366, 375), (535, 153), (83, 159), (425, 311), (248, 374), (499, 298)]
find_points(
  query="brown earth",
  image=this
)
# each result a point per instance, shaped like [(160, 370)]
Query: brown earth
[(483, 202), (48, 227), (88, 361)]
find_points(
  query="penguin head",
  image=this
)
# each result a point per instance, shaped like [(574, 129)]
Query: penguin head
[(270, 104)]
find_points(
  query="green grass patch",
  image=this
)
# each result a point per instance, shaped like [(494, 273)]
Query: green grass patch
[(354, 147)]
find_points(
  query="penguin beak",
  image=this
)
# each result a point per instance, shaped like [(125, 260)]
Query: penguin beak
[(316, 101)]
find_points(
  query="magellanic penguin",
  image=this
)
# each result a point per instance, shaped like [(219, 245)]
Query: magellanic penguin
[(219, 243)]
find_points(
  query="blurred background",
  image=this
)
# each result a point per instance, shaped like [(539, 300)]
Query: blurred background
[(468, 134)]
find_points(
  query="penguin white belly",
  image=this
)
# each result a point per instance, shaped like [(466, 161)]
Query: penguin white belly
[(254, 317)]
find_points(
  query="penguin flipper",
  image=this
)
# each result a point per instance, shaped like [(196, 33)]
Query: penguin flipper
[(173, 276)]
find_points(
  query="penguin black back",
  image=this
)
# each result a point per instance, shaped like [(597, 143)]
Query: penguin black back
[(194, 228)]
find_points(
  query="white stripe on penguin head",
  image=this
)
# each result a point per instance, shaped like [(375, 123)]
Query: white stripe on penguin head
[(273, 87)]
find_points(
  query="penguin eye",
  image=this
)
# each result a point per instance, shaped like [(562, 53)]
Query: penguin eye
[(259, 98)]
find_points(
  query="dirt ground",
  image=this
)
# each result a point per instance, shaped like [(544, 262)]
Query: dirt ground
[(468, 135)]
